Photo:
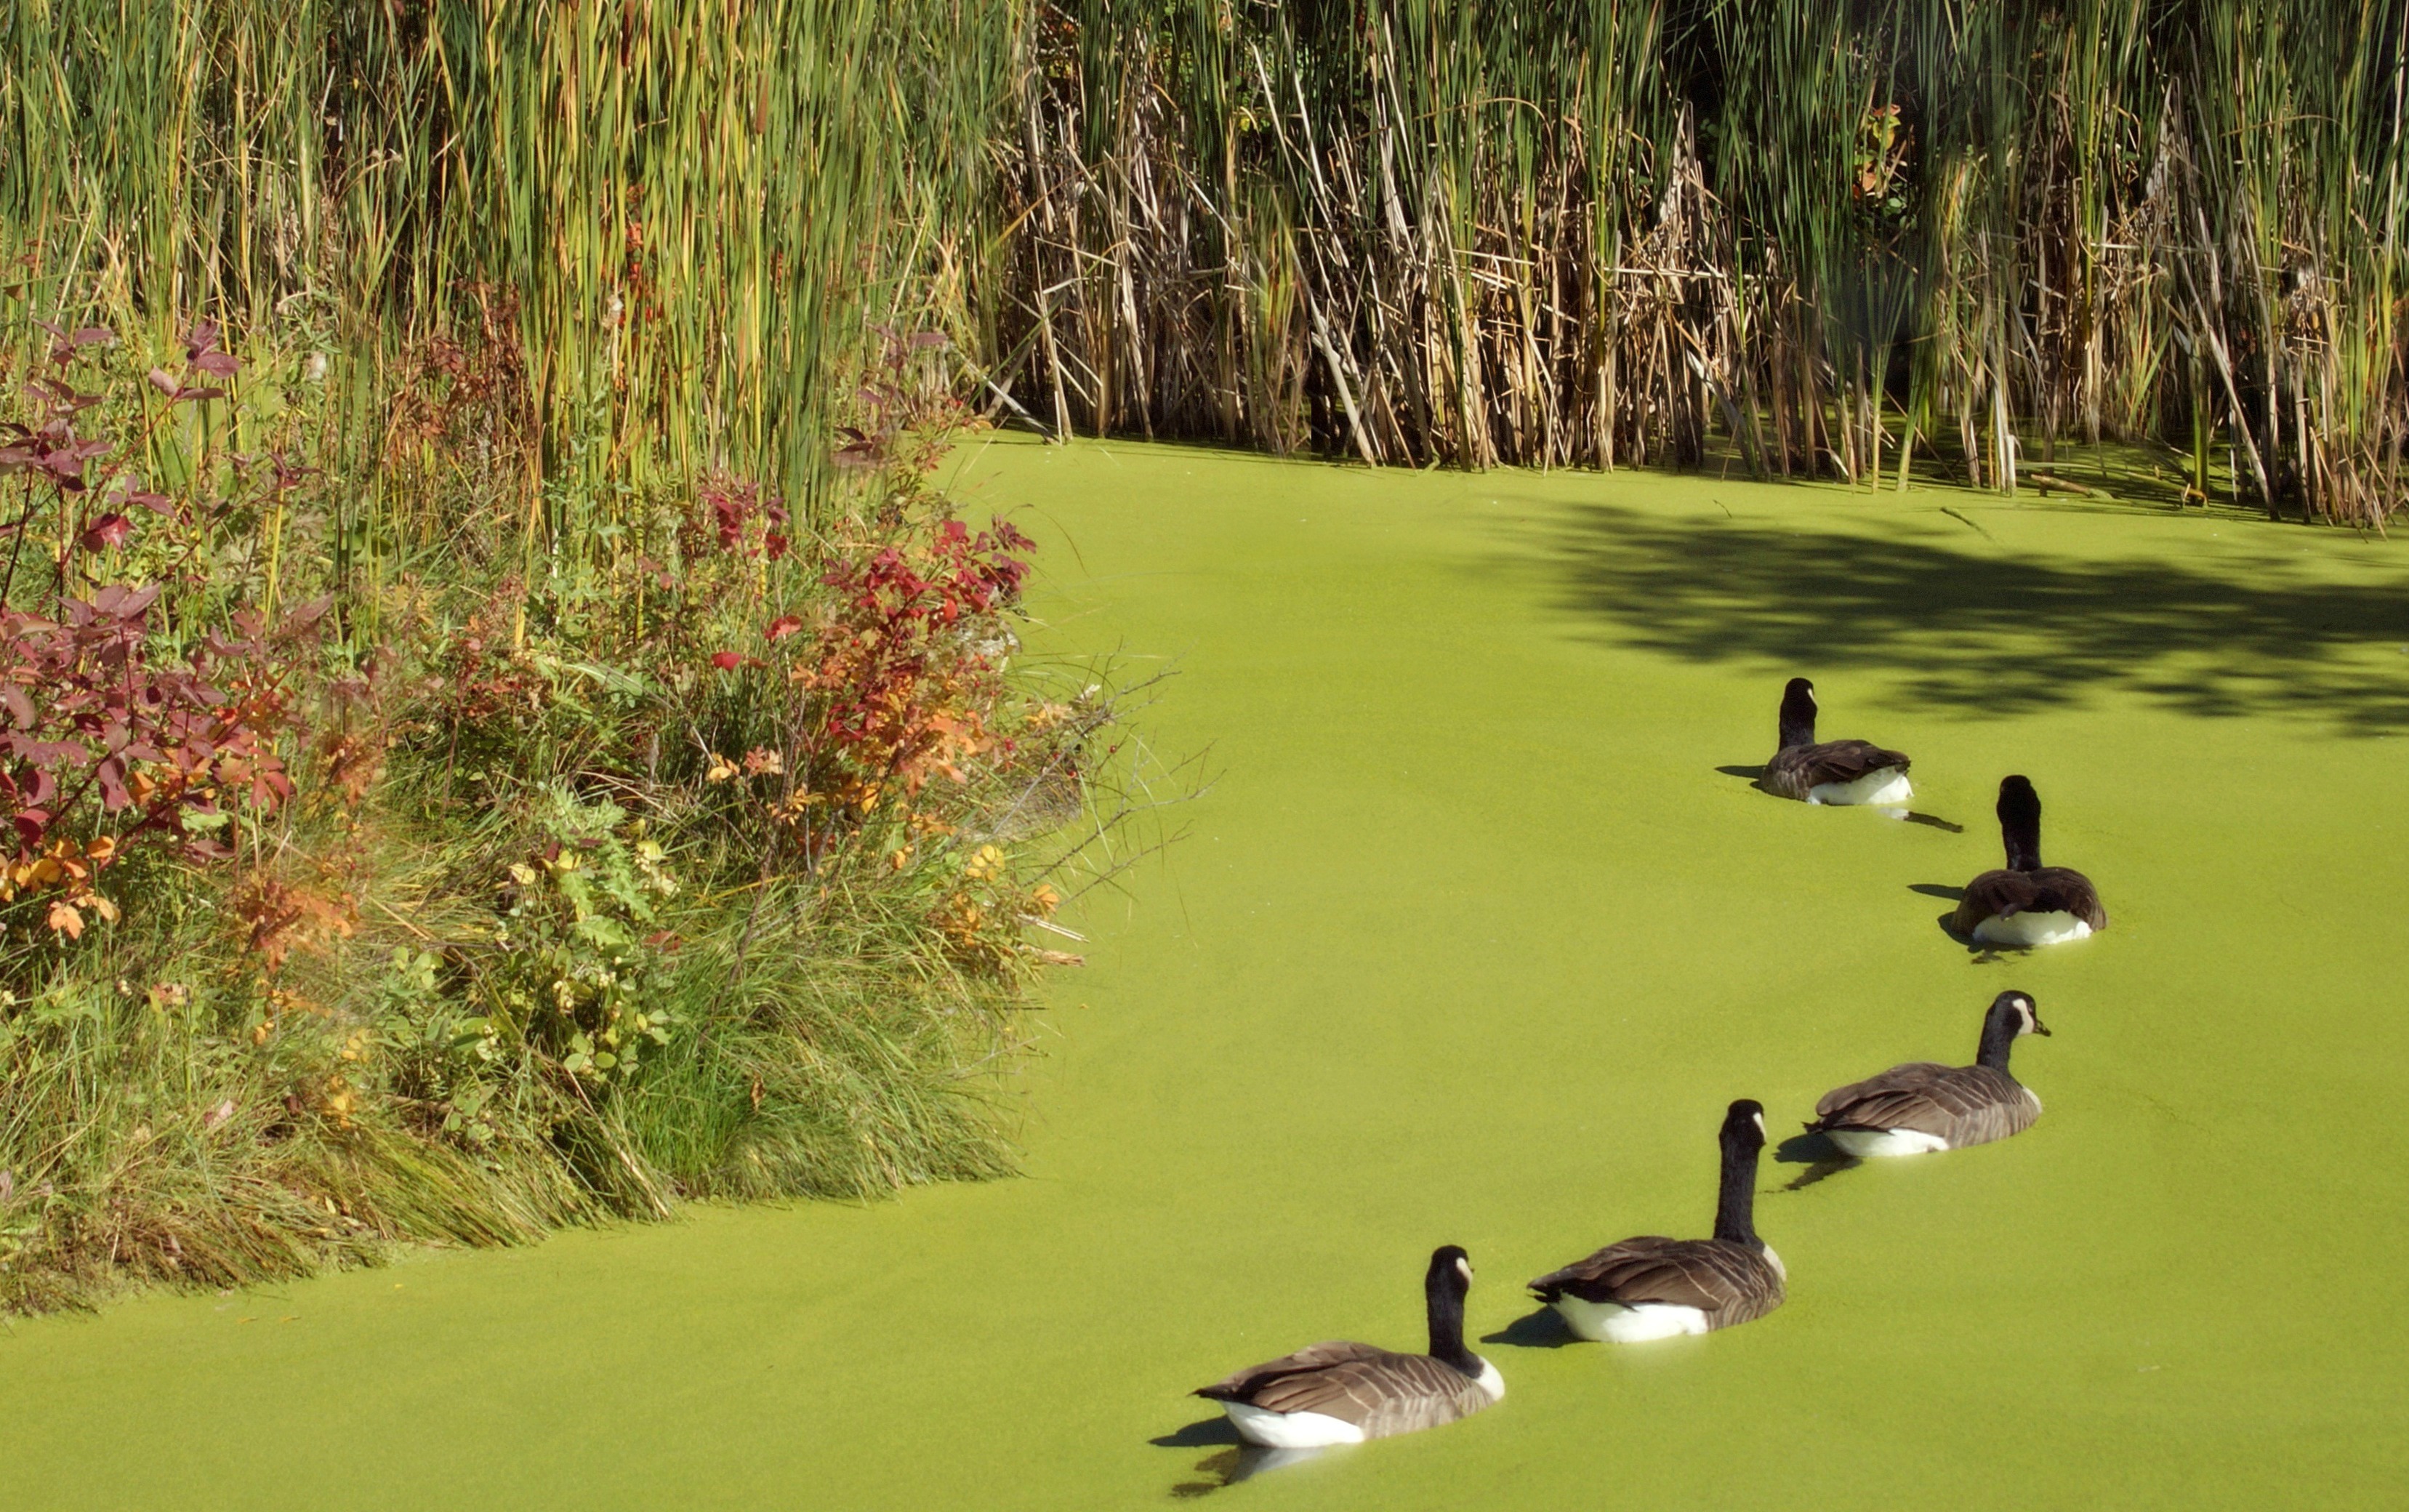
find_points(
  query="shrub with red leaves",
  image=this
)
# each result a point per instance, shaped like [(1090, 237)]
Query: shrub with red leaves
[(903, 699), (105, 751)]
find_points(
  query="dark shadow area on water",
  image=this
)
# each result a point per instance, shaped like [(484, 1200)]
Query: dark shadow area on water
[(1990, 634), (1233, 1458), (1543, 1328), (1215, 1429), (1819, 1155)]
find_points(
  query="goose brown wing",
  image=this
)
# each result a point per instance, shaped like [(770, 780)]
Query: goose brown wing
[(1243, 1385), (1797, 770), (2063, 887), (2052, 890), (1962, 1105), (1379, 1391), (1845, 762), (1709, 1275), (1900, 1098)]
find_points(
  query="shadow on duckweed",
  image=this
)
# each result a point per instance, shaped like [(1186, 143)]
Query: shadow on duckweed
[(1818, 1154), (1998, 634), (1543, 1328), (1233, 1463)]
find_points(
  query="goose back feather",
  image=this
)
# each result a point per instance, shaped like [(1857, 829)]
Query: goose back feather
[(1958, 1105), (1796, 773), (1726, 1282), (2049, 889), (1379, 1391)]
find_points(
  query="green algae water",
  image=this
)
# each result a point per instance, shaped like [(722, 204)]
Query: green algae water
[(1475, 932)]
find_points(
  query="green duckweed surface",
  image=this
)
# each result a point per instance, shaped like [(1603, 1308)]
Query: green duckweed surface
[(1471, 941)]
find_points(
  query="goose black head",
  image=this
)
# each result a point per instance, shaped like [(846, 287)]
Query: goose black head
[(1443, 1291), (2011, 1016), (2020, 823), (1798, 714), (1451, 1266), (2017, 1007), (1744, 1124)]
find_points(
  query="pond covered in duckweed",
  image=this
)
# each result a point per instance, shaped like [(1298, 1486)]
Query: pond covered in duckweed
[(1477, 931)]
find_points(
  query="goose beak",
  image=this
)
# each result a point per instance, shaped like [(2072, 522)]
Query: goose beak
[(2039, 1028)]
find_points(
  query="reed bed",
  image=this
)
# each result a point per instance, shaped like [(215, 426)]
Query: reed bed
[(1832, 239)]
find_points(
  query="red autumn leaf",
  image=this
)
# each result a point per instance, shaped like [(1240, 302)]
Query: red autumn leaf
[(106, 533), (727, 661), (783, 627)]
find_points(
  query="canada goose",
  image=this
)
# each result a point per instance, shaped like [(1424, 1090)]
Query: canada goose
[(1341, 1392), (2028, 903), (1836, 772), (1920, 1108), (1652, 1288)]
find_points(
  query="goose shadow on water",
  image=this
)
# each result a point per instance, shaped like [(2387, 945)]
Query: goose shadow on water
[(1542, 1328), (1233, 1458), (1819, 1155), (1963, 627)]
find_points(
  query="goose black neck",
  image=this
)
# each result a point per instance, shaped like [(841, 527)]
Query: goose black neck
[(1999, 1032), (2020, 824), (1798, 716), (1444, 1290), (1736, 1205)]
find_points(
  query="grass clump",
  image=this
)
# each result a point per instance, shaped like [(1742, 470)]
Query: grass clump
[(454, 906)]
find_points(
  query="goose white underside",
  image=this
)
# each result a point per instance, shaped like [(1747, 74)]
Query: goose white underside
[(1611, 1322), (1873, 1143), (1887, 786), (1289, 1430), (2031, 928)]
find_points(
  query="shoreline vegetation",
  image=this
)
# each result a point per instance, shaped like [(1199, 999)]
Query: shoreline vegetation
[(1800, 238), (502, 728)]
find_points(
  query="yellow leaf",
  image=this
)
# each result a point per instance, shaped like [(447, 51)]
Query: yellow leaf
[(66, 921)]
